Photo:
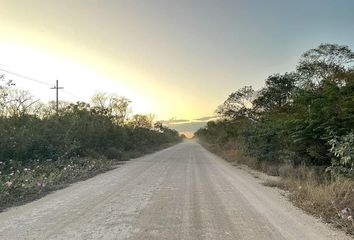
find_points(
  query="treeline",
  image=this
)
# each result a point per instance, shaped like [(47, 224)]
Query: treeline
[(305, 117), (41, 149), (29, 131)]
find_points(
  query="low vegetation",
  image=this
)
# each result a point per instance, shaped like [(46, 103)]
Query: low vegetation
[(300, 126), (43, 150)]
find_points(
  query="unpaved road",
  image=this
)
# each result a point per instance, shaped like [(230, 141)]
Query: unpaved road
[(183, 192)]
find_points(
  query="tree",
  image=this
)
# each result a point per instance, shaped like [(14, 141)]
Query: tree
[(141, 121), (159, 126), (19, 103), (278, 92), (5, 87), (49, 109), (113, 106), (324, 62), (293, 115), (238, 104)]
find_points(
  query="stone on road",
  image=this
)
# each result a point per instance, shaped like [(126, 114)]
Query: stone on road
[(183, 192)]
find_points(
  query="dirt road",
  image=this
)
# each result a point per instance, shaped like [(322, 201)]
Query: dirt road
[(183, 192)]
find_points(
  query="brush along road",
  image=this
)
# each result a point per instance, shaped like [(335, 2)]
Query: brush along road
[(183, 192)]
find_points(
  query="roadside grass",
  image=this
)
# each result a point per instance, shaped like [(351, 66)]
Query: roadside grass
[(230, 153), (21, 184), (309, 188), (324, 199)]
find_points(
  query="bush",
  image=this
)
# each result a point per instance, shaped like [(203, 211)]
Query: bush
[(40, 152), (39, 177), (113, 153)]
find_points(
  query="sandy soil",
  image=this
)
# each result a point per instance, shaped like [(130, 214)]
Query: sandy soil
[(183, 192)]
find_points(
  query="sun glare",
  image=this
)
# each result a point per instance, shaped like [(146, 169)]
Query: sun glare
[(79, 82)]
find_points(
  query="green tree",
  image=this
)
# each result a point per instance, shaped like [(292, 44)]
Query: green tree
[(324, 63), (238, 104), (277, 93), (294, 117)]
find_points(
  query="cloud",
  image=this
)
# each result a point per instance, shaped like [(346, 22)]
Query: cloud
[(184, 125), (207, 118), (175, 121), (187, 127)]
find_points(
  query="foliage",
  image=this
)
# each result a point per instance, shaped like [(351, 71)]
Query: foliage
[(291, 119), (238, 104), (324, 63), (113, 106), (278, 92), (40, 150), (343, 150)]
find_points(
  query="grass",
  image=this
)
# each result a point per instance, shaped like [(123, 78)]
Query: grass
[(230, 153), (309, 188), (324, 199)]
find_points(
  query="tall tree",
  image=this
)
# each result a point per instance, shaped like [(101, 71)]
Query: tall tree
[(324, 63), (278, 92), (238, 104), (112, 105)]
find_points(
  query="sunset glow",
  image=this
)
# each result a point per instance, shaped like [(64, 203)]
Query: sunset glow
[(169, 62), (177, 119)]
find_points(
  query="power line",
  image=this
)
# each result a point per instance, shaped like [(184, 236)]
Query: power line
[(23, 76), (73, 95), (38, 81)]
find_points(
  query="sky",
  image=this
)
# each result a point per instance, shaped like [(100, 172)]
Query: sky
[(177, 59)]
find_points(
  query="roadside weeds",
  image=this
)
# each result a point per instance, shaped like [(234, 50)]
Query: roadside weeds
[(307, 188), (22, 184)]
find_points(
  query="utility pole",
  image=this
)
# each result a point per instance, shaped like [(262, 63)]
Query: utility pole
[(56, 87)]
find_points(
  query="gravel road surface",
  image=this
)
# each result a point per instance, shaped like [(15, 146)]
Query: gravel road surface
[(183, 192)]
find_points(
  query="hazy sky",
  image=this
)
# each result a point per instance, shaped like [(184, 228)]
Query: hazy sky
[(176, 58)]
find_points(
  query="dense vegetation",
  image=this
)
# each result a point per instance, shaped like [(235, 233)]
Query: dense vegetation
[(299, 120), (303, 117), (41, 150)]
